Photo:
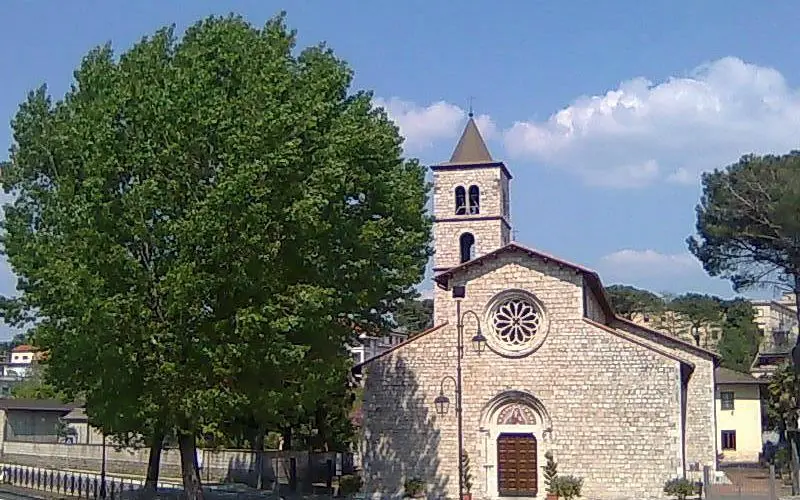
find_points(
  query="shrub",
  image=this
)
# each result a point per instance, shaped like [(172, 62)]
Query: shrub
[(466, 476), (550, 472), (350, 484), (567, 487), (413, 487), (680, 488)]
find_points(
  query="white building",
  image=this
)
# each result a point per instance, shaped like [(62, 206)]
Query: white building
[(370, 346)]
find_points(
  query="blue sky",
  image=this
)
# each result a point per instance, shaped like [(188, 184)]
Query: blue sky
[(606, 112)]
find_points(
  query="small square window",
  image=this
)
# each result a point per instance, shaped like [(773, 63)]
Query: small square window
[(726, 400), (729, 440)]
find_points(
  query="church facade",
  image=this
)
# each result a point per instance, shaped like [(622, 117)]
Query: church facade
[(624, 407)]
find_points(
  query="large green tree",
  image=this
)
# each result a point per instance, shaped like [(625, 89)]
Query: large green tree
[(748, 230), (740, 338), (198, 223), (629, 301), (697, 311)]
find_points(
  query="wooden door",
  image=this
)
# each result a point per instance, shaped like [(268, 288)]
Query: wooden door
[(516, 465)]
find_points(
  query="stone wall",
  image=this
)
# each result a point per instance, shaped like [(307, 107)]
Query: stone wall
[(701, 428), (216, 465), (613, 404), (593, 309), (489, 234)]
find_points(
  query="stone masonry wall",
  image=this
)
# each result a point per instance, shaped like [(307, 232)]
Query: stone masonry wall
[(593, 309), (488, 237), (489, 234), (613, 404), (701, 428)]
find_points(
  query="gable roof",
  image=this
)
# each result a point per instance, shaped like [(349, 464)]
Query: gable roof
[(36, 405), (617, 319), (24, 348), (591, 278), (730, 377), (630, 337)]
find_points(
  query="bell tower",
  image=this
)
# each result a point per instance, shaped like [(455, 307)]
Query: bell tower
[(471, 205)]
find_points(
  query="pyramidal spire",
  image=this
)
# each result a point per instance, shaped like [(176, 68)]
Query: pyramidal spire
[(471, 149)]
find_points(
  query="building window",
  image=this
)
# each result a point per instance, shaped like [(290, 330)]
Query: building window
[(729, 440), (467, 244), (474, 200), (726, 400), (515, 321), (461, 201)]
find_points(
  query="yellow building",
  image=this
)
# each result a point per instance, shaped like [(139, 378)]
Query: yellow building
[(738, 412)]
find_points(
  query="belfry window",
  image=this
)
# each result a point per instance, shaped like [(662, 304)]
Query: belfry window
[(467, 244), (461, 201), (474, 200)]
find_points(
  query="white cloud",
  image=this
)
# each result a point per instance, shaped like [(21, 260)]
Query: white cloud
[(422, 126), (641, 132), (649, 262)]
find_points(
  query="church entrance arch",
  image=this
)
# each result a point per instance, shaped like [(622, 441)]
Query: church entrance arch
[(516, 429)]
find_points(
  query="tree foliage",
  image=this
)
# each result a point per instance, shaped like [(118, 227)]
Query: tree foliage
[(741, 337), (748, 222), (629, 301), (35, 385), (198, 223), (697, 311), (748, 230), (414, 316), (782, 397)]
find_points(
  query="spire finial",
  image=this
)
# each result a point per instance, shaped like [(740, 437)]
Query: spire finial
[(470, 114)]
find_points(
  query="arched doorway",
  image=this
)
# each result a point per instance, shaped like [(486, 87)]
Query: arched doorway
[(517, 465), (517, 430)]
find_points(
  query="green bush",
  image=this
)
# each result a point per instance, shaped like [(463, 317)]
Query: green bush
[(350, 484), (466, 476), (413, 487), (567, 487), (782, 459), (680, 488), (550, 472)]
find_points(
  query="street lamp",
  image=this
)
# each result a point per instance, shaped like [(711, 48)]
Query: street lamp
[(442, 402)]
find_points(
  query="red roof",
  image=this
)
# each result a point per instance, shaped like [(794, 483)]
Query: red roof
[(24, 348)]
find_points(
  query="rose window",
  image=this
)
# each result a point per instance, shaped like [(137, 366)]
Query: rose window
[(515, 321)]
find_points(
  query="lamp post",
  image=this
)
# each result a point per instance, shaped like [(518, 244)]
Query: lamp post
[(442, 402)]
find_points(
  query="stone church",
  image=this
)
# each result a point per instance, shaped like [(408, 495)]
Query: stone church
[(547, 366)]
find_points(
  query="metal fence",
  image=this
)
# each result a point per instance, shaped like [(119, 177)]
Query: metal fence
[(81, 485), (747, 483)]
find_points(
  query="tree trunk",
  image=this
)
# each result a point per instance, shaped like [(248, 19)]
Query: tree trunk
[(257, 445), (192, 488), (287, 438), (153, 466)]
